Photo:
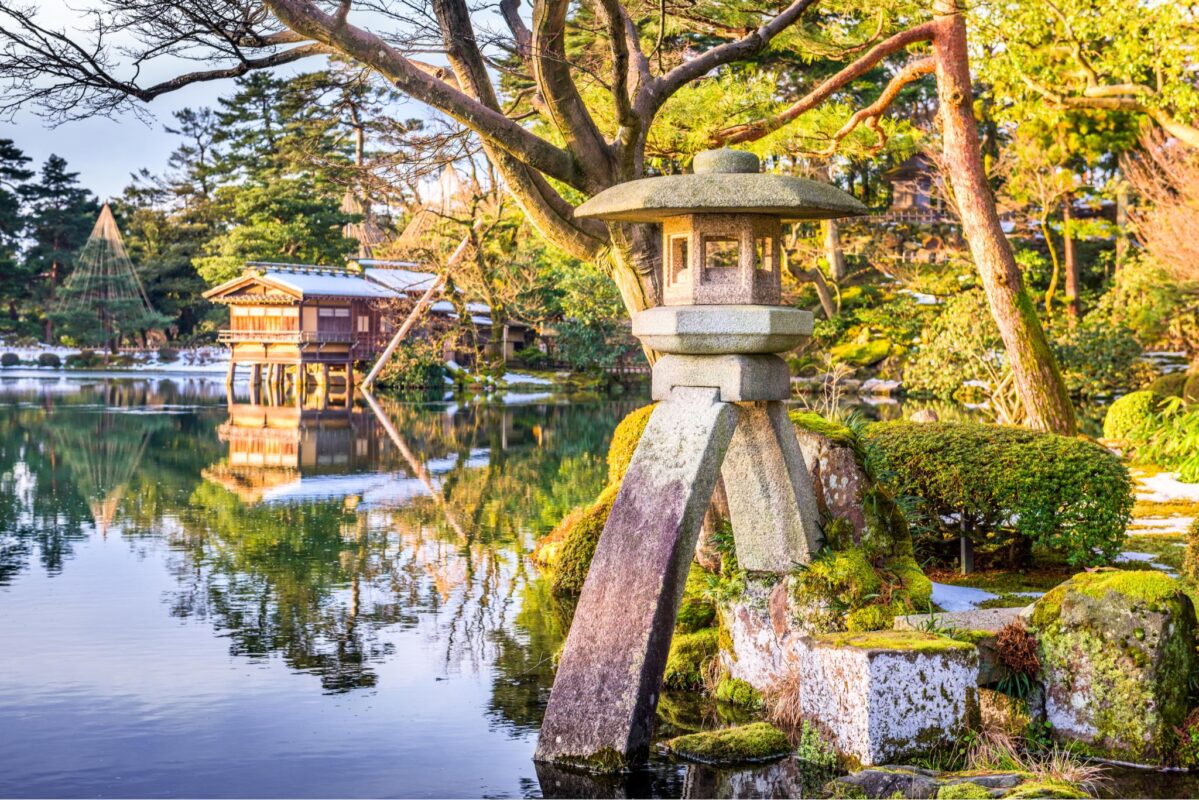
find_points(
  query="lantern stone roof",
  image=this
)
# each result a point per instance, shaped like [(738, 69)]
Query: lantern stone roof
[(724, 182)]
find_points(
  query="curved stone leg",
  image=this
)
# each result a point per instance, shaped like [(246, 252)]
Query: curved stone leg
[(772, 505), (601, 709)]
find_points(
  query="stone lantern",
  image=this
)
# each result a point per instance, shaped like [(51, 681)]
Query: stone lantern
[(721, 386)]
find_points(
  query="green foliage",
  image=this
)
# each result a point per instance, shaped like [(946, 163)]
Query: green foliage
[(84, 359), (1098, 357), (814, 749), (10, 360), (49, 360), (862, 354), (1146, 298), (697, 610), (1068, 495), (416, 364), (1169, 439), (1190, 563), (759, 741), (690, 659), (1129, 414), (954, 347)]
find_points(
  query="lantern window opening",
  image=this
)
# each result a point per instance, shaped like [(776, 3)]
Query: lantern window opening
[(680, 258), (721, 253), (764, 246)]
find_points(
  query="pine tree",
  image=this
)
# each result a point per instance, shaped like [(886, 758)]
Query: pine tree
[(103, 300), (14, 280), (61, 214)]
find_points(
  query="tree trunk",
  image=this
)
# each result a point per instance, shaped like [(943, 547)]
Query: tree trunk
[(1121, 223), (1051, 290), (1046, 402), (833, 251), (1071, 261)]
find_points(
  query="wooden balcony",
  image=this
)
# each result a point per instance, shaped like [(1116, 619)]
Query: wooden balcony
[(288, 337)]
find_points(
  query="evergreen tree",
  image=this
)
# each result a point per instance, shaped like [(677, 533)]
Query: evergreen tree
[(61, 214), (14, 282), (103, 302)]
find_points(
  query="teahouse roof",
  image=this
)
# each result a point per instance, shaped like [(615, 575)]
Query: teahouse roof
[(301, 283), (399, 279), (724, 182)]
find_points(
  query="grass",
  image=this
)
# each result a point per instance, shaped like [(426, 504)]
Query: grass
[(1163, 546), (1040, 578), (1170, 508), (1008, 600)]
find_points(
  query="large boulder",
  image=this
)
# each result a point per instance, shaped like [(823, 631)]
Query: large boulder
[(1116, 650)]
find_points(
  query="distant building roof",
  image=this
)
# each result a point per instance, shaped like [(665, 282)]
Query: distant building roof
[(302, 281), (401, 280), (333, 283)]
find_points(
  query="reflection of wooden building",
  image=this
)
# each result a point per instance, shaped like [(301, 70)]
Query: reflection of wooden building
[(273, 447)]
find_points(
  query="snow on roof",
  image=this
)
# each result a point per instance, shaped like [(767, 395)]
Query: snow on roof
[(338, 283), (401, 280)]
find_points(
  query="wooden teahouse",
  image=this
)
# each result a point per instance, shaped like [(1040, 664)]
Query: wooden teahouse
[(285, 316)]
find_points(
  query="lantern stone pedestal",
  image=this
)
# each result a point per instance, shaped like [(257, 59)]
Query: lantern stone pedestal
[(720, 387)]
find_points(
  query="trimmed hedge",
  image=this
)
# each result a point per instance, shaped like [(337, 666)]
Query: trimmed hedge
[(49, 360), (9, 360), (1129, 414), (1070, 495)]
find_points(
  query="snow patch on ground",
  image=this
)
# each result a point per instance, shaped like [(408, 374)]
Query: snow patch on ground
[(1164, 487), (959, 598), (517, 377)]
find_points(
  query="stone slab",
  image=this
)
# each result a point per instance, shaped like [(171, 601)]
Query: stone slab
[(718, 329), (739, 378), (772, 506), (979, 619), (884, 697), (601, 709)]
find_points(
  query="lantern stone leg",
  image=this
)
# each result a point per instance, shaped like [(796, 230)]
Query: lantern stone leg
[(772, 506), (602, 708)]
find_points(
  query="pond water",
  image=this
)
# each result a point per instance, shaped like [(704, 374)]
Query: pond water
[(205, 599)]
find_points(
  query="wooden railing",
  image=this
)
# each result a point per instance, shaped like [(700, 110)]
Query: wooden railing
[(298, 337)]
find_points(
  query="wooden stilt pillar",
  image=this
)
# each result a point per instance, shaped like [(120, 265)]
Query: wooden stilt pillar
[(323, 389), (256, 384), (349, 383)]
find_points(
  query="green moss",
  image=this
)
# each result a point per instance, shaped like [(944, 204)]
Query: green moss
[(814, 423), (739, 693), (908, 641), (696, 611), (690, 655), (1048, 790), (918, 586), (759, 741), (869, 618), (579, 538), (1151, 586), (861, 354), (624, 442), (1129, 413), (846, 576), (963, 791)]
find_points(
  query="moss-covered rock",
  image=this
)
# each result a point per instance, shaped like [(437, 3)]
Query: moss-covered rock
[(861, 354), (1116, 649), (963, 791), (738, 693), (1128, 413), (580, 533), (690, 658), (1169, 385), (697, 610), (1046, 790), (743, 744), (625, 439)]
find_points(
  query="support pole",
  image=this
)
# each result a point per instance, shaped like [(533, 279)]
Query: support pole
[(602, 706)]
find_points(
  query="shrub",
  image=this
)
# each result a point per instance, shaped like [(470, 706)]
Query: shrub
[(954, 347), (10, 360), (1069, 495), (1190, 562), (1129, 414), (49, 360), (1099, 358), (166, 355), (1017, 649), (1169, 439), (85, 359), (1169, 385), (414, 365), (1190, 389)]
